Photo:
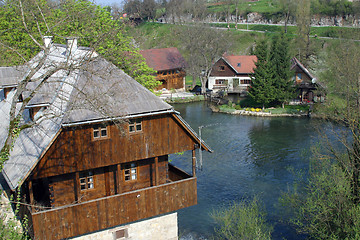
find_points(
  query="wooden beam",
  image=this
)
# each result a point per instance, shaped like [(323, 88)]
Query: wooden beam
[(77, 186), (194, 163), (118, 178), (156, 171), (107, 181), (31, 194)]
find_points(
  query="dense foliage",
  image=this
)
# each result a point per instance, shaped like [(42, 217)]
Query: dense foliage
[(326, 206), (262, 88), (242, 220), (271, 80), (92, 25)]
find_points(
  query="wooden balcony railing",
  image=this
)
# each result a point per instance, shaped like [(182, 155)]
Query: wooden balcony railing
[(102, 213)]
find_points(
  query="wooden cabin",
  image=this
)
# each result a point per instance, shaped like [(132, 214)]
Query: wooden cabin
[(169, 66), (96, 156), (231, 73), (306, 83)]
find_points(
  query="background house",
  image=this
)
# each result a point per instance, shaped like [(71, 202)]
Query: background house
[(169, 65), (95, 158), (306, 84), (232, 73)]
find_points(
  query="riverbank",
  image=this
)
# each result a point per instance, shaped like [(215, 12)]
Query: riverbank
[(257, 112)]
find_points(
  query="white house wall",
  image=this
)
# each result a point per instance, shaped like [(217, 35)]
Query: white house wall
[(230, 86)]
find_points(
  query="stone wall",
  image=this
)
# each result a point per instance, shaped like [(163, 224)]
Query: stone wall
[(161, 228), (256, 18)]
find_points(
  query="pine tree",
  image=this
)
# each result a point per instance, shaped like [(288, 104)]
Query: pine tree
[(279, 65), (262, 88)]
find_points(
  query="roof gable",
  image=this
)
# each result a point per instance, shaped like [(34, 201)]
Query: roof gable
[(296, 64), (161, 59)]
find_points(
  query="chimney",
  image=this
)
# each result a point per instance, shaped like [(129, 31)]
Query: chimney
[(48, 41), (71, 44)]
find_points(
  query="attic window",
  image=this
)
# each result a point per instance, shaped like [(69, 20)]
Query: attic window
[(239, 64), (100, 132), (86, 180), (130, 172), (221, 68), (135, 125)]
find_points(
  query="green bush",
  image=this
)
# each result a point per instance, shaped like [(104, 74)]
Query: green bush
[(324, 206), (242, 220), (237, 107)]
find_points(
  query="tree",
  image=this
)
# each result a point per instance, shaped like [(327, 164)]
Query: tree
[(288, 8), (303, 21), (149, 9), (328, 206), (202, 46), (279, 64), (262, 88), (91, 24)]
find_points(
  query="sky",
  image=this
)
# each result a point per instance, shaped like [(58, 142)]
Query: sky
[(108, 2)]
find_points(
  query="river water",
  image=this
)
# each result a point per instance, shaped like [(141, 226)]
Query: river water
[(252, 156)]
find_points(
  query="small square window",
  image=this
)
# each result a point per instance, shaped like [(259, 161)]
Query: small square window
[(221, 68), (86, 180), (135, 125), (130, 172), (100, 132)]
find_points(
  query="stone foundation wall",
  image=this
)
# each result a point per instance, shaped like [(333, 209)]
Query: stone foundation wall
[(160, 228)]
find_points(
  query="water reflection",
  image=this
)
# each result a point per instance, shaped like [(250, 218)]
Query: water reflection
[(251, 156)]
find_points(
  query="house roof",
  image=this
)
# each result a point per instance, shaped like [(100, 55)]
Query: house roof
[(10, 76), (95, 91), (296, 63), (241, 64), (161, 59)]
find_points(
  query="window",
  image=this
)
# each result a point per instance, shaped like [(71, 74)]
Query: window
[(130, 172), (135, 125), (121, 234), (245, 81), (86, 180), (221, 81), (239, 64), (100, 132), (299, 77), (221, 68)]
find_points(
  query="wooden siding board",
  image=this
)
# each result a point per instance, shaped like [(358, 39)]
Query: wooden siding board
[(161, 135), (115, 210)]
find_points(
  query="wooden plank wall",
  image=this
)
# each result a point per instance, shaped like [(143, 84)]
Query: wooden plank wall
[(75, 150), (172, 81), (227, 71), (65, 188), (115, 210)]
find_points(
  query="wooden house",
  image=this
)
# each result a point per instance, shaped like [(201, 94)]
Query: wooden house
[(306, 84), (232, 73), (96, 154), (169, 65)]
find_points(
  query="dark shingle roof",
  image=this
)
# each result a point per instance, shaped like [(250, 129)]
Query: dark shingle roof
[(10, 76), (161, 59)]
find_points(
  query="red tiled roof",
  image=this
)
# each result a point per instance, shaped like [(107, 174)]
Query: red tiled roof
[(163, 58), (242, 63)]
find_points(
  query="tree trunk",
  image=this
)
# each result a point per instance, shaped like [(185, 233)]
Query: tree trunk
[(193, 80)]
